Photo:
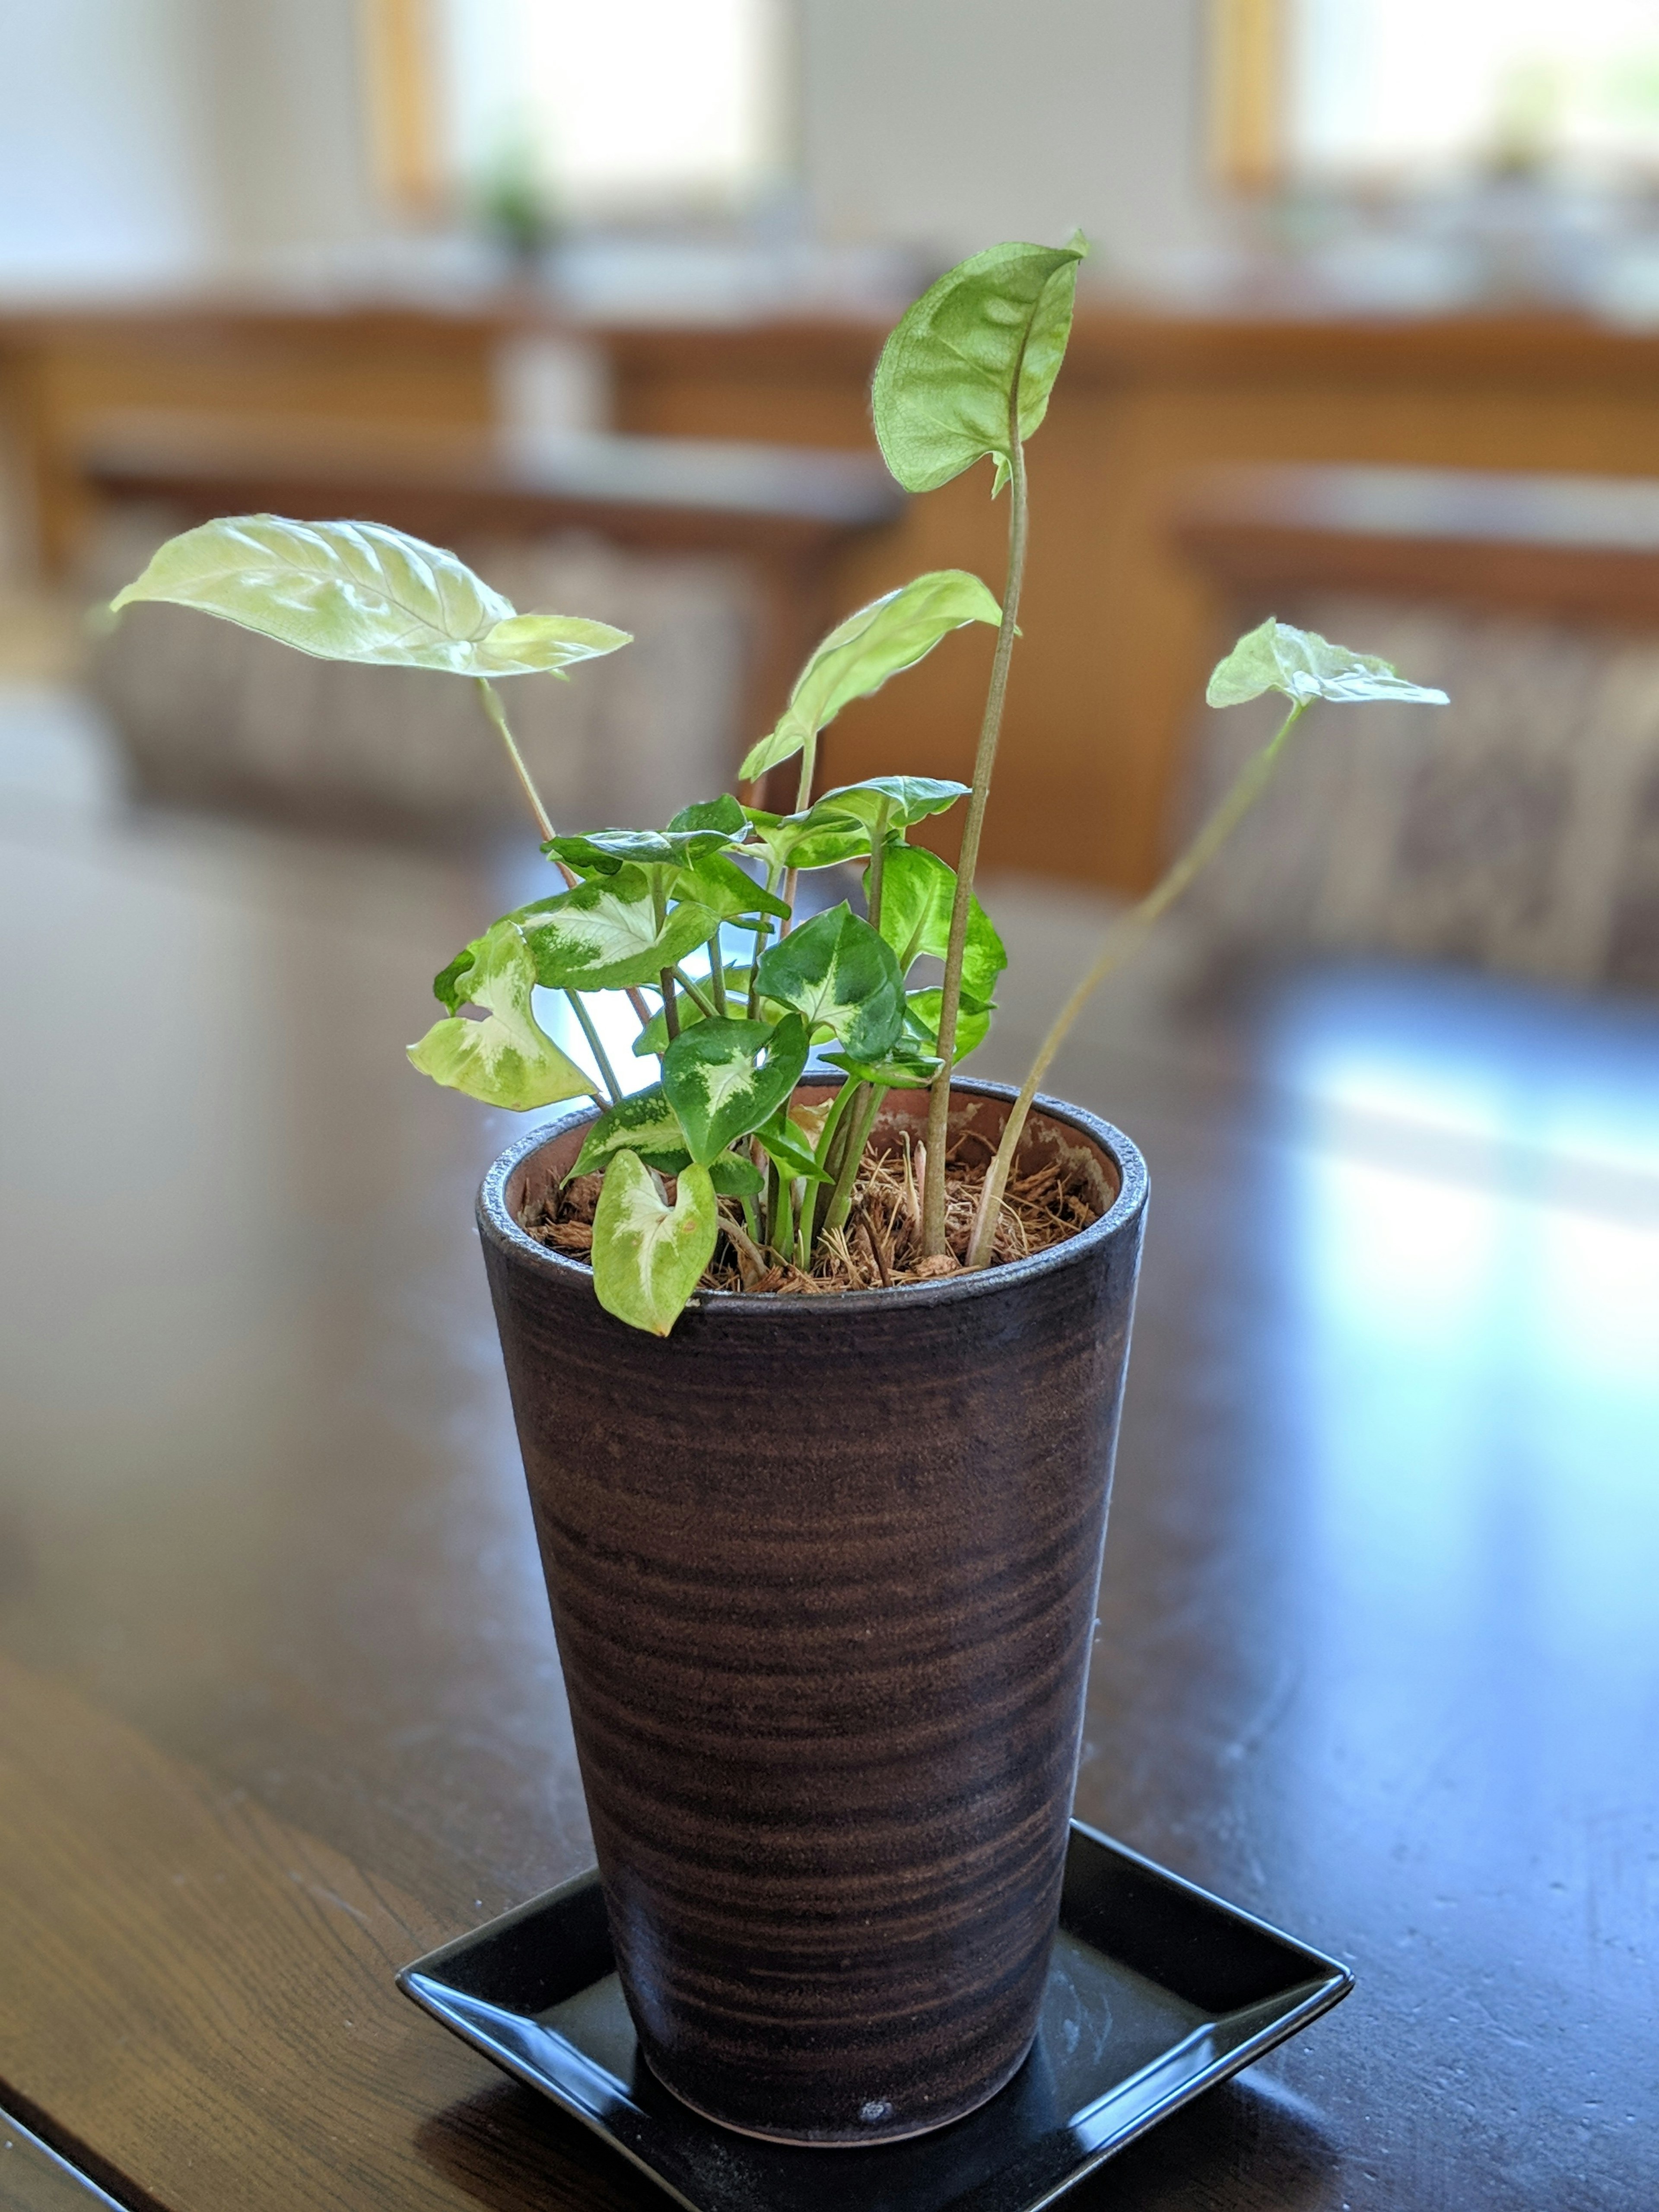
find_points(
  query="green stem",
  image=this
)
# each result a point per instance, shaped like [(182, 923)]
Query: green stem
[(938, 1104), (841, 1199), (809, 756), (705, 1006), (601, 1057), (497, 714), (872, 880), (809, 1205), (671, 1012), (1121, 939), (760, 936), (717, 973)]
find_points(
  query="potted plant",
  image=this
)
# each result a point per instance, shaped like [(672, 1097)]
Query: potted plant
[(816, 1347)]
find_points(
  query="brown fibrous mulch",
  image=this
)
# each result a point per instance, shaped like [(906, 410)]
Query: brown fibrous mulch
[(879, 1248)]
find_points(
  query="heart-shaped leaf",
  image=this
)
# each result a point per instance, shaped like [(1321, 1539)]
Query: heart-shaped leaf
[(839, 975), (355, 591), (735, 1175), (859, 655), (946, 375), (506, 1059), (604, 851), (1306, 666), (921, 1011), (918, 890), (786, 1144), (724, 1079), (724, 814), (886, 803), (644, 1123), (648, 1256), (604, 935), (899, 1071), (790, 841), (715, 880)]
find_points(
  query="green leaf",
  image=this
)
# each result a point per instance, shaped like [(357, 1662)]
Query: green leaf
[(724, 814), (1306, 666), (786, 1143), (917, 892), (885, 802), (715, 880), (603, 935), (724, 1079), (837, 973), (921, 1011), (506, 1059), (899, 1071), (605, 851), (355, 591), (648, 1256), (788, 841), (644, 1123), (653, 1039), (946, 375), (859, 655), (735, 1175)]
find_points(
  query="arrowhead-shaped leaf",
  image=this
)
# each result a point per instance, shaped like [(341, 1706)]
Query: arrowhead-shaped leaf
[(734, 1174), (724, 814), (1306, 666), (603, 935), (353, 591), (604, 851), (899, 1071), (506, 1059), (715, 880), (643, 1122), (885, 802), (724, 1079), (921, 1022), (917, 892), (946, 375), (647, 1256), (838, 974), (859, 655), (786, 1144)]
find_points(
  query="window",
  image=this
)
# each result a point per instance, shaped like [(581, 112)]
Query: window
[(632, 107), (1388, 88)]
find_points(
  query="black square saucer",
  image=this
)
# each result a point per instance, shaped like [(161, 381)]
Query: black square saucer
[(1156, 1990)]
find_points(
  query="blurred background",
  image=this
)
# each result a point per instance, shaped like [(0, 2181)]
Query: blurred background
[(1368, 337)]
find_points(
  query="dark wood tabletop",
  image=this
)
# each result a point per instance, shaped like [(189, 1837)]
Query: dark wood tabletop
[(280, 1706)]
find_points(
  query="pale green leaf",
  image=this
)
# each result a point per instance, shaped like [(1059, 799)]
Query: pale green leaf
[(891, 633), (648, 1256), (355, 591), (945, 379), (921, 1012), (506, 1059), (724, 1079), (839, 975), (724, 814), (604, 935), (605, 851), (715, 880), (884, 803), (917, 892), (900, 1071), (643, 1122), (1306, 666)]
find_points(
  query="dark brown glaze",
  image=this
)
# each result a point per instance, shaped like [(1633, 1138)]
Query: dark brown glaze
[(824, 1574)]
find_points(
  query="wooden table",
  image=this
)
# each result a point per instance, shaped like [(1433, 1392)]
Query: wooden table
[(1379, 1654)]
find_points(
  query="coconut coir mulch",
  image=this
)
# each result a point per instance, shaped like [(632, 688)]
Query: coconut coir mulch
[(880, 1246)]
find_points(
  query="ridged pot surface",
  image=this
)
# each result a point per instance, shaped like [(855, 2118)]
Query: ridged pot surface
[(824, 1574)]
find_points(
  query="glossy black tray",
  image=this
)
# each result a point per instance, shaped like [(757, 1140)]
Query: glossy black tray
[(1156, 1990)]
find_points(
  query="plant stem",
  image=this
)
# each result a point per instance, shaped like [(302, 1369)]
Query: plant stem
[(1121, 939), (872, 881), (938, 1104), (717, 973), (497, 716), (841, 1198), (601, 1057), (809, 1205), (760, 936), (671, 1012), (702, 1004)]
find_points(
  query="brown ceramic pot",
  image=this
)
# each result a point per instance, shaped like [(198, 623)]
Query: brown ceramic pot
[(824, 1574)]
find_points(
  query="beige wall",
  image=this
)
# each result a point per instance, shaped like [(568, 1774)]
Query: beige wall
[(945, 123)]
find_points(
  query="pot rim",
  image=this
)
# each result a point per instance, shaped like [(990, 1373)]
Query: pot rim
[(496, 1219)]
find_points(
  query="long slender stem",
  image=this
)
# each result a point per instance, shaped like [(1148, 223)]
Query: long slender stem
[(601, 1057), (826, 1137), (1121, 939), (809, 760), (873, 876), (841, 1198), (704, 1007), (717, 973), (938, 1104), (497, 716), (671, 1012)]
